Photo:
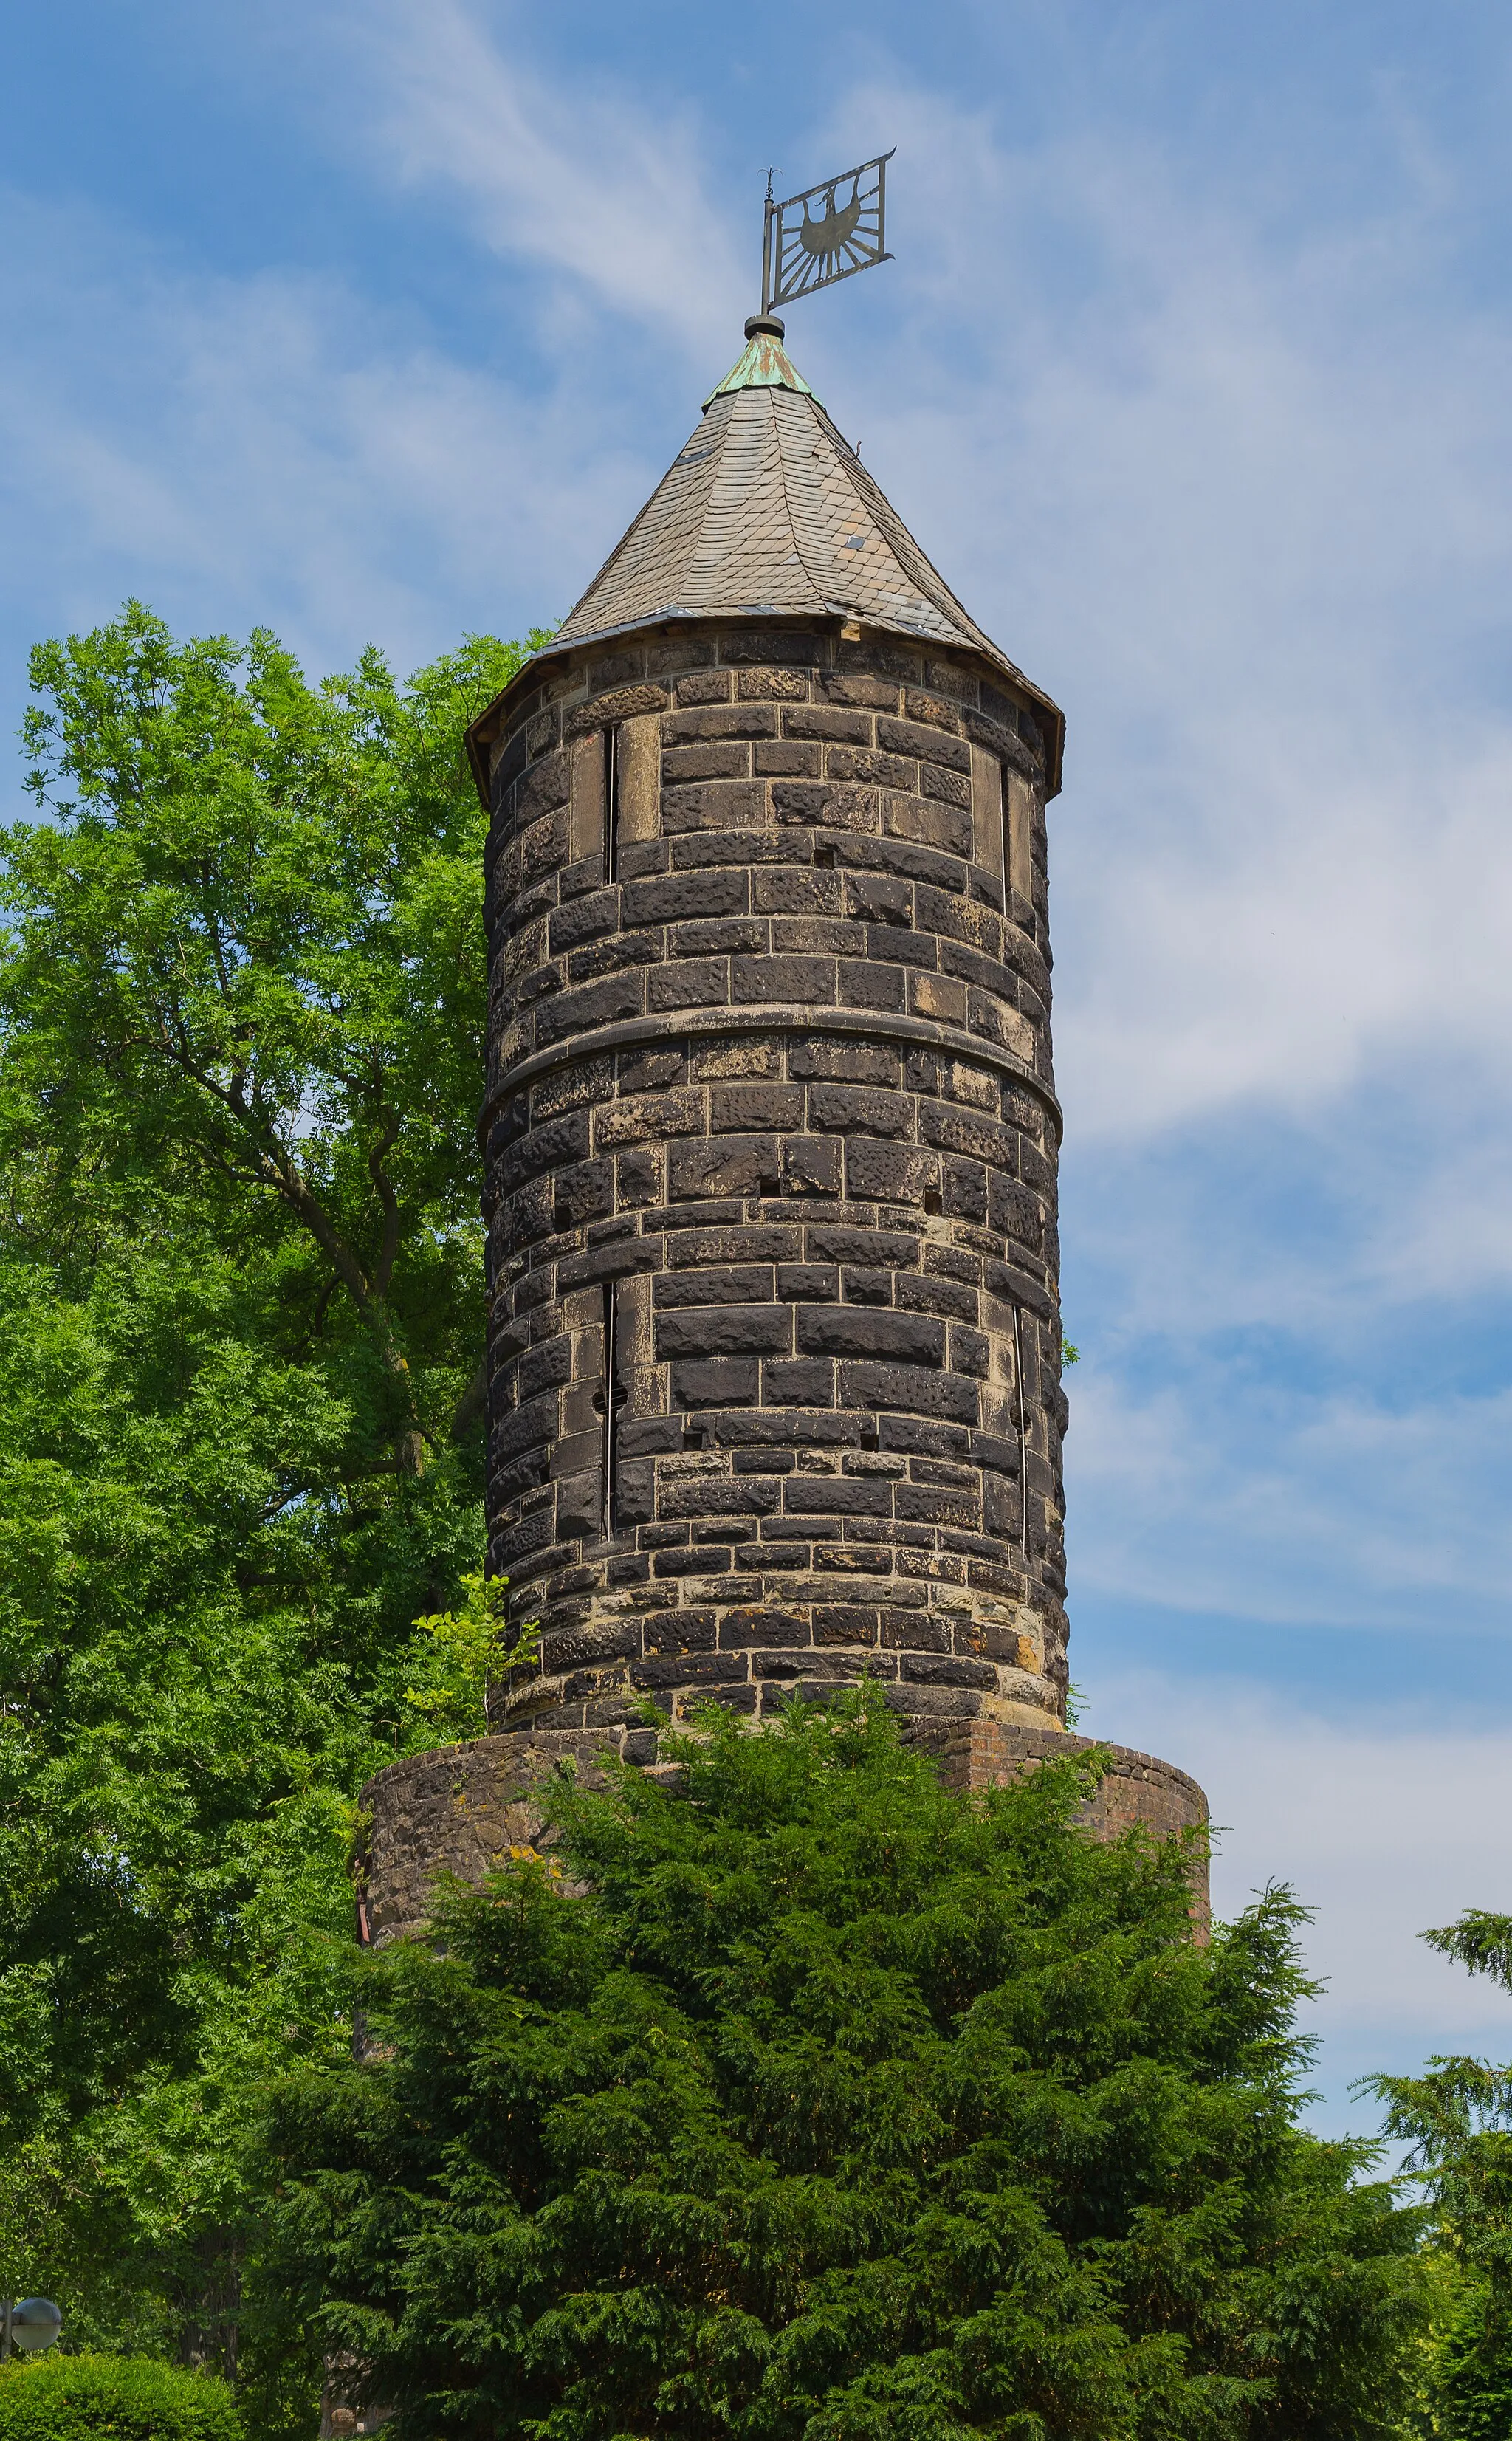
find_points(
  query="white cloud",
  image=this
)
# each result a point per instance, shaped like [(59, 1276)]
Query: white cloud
[(575, 176), (266, 449), (1266, 1499), (1383, 1827), (1234, 488), (1242, 499)]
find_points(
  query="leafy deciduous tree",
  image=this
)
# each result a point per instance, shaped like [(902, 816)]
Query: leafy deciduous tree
[(241, 1326)]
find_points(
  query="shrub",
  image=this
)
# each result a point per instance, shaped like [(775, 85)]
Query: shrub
[(840, 2106), (129, 2398)]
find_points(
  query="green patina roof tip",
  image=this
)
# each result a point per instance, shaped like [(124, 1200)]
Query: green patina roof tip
[(766, 363)]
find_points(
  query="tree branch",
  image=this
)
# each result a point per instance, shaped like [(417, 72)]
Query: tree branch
[(278, 1168), (470, 1406), (387, 1196)]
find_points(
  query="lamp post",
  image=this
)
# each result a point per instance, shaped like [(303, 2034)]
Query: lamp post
[(31, 2324)]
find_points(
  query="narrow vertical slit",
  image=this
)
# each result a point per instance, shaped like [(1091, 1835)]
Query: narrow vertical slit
[(610, 1404), (1024, 1435), (611, 804), (1007, 796)]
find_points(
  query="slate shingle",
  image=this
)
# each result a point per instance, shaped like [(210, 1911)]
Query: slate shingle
[(766, 509)]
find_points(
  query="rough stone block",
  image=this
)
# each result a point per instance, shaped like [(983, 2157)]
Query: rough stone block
[(584, 1192), (810, 1166), (724, 1330), (911, 1387), (590, 1004), (890, 1174), (546, 785), (875, 769), (715, 1381), (938, 711), (681, 764), (643, 1118), (830, 1495), (874, 899), (853, 1111), (714, 805), (688, 982), (807, 981), (726, 720), (854, 686), (772, 686), (925, 742), (586, 919), (792, 647), (798, 1383), (825, 721), (846, 1331), (785, 759), (866, 985), (736, 1109), (843, 1059), (946, 827), (721, 1284), (723, 1165)]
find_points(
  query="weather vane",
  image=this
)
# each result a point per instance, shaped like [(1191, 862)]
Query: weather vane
[(846, 233)]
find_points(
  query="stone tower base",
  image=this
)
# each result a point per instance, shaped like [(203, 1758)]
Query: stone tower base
[(462, 1809)]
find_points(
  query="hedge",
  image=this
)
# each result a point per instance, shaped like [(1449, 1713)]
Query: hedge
[(131, 2399)]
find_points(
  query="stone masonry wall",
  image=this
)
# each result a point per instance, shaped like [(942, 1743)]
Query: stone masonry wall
[(770, 1162), (465, 1810)]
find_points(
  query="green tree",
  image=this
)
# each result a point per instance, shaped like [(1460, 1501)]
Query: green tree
[(839, 2105), (249, 959), (1457, 2119), (463, 1657), (240, 1330)]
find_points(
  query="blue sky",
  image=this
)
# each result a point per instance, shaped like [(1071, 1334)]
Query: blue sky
[(1192, 372)]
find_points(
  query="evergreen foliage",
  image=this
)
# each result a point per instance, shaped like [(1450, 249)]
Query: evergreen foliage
[(113, 2398), (1467, 2393), (1457, 2119), (805, 2098)]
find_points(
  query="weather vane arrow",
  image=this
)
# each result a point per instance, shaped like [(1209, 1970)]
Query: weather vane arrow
[(824, 234)]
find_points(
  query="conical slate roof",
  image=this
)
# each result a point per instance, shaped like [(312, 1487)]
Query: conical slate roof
[(768, 512)]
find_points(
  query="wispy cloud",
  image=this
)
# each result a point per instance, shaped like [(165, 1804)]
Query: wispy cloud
[(270, 449), (1278, 1501), (1242, 498), (1383, 1827), (579, 177)]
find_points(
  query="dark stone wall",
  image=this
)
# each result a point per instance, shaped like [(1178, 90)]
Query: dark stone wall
[(466, 1810), (772, 1104)]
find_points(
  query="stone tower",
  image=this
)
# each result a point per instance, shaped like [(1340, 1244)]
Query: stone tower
[(770, 1147)]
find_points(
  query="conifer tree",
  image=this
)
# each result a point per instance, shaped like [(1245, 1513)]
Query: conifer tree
[(804, 2098), (1456, 2117)]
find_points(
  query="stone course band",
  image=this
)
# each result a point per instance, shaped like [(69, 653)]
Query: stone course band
[(465, 1810), (634, 1034)]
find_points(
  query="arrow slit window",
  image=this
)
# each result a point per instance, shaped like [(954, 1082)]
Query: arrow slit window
[(611, 1405), (611, 801), (1023, 1404)]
